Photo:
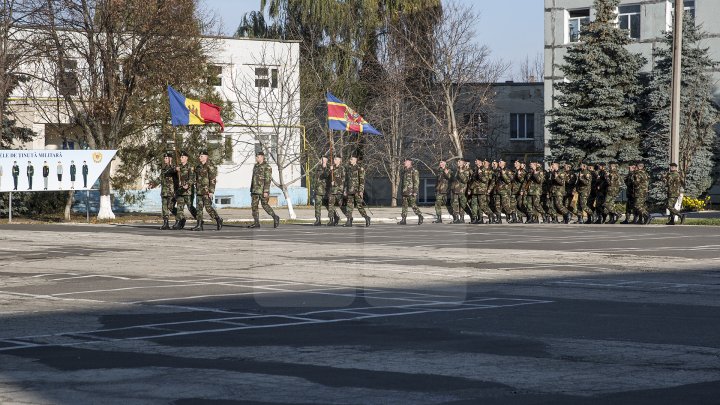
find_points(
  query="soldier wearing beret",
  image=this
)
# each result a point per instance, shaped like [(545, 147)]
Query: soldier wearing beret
[(409, 187), (168, 188), (354, 191), (260, 190), (186, 179), (205, 181), (674, 183)]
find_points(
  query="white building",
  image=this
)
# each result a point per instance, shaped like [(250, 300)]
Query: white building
[(259, 77)]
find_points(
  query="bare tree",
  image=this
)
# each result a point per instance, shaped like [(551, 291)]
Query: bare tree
[(108, 61), (267, 106), (530, 71)]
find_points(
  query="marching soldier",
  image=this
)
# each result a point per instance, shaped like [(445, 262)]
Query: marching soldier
[(570, 187), (205, 181), (260, 190), (641, 183), (629, 193), (409, 186), (518, 191), (442, 186), (558, 178), (503, 180), (186, 178), (337, 189), (322, 176), (168, 188), (354, 191), (547, 197), (458, 189), (15, 174), (600, 187), (674, 183), (584, 187), (535, 191), (30, 174), (479, 201), (612, 190)]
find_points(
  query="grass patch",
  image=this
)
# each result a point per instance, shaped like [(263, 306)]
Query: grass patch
[(703, 221)]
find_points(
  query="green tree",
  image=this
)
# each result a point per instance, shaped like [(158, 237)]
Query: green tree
[(595, 117), (698, 114)]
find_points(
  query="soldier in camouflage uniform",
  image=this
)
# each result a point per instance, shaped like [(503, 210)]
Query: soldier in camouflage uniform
[(458, 189), (205, 181), (186, 179), (503, 191), (518, 191), (642, 183), (355, 191), (442, 186), (168, 187), (600, 187), (535, 191), (479, 188), (409, 187), (260, 190), (570, 188), (674, 182), (547, 198), (629, 193), (322, 178), (337, 189), (558, 179), (612, 191), (584, 186)]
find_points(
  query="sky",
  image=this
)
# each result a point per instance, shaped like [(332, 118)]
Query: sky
[(512, 29)]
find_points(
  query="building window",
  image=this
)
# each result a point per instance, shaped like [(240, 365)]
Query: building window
[(629, 19), (689, 7), (522, 126), (67, 78), (228, 150), (266, 77), (214, 75), (223, 200), (266, 143), (578, 18), (427, 191)]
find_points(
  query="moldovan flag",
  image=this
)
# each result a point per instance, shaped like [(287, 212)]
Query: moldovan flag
[(185, 111), (343, 118)]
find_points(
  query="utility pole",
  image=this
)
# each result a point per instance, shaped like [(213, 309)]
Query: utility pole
[(676, 82)]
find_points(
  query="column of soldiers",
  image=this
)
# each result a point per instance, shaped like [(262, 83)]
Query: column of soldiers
[(340, 187), (531, 194)]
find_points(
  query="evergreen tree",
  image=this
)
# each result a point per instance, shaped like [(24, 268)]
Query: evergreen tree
[(698, 114), (595, 118), (10, 132)]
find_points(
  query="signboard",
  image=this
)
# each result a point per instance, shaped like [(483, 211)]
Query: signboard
[(51, 170)]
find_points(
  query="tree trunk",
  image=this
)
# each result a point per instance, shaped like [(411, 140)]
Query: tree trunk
[(68, 204), (288, 200), (105, 211), (394, 185)]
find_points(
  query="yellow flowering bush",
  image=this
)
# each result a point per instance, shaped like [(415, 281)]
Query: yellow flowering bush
[(695, 204)]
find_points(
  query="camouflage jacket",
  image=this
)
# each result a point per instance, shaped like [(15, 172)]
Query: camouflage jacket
[(355, 180), (337, 180), (536, 183), (674, 183), (482, 181), (168, 180), (460, 181), (571, 183), (519, 181), (322, 177), (186, 177), (410, 182), (261, 178), (558, 180), (600, 183), (612, 178), (641, 182), (503, 180), (205, 178), (584, 182), (630, 184), (442, 186)]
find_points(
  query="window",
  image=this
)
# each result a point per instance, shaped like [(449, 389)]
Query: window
[(578, 18), (228, 149), (67, 78), (214, 75), (629, 19), (68, 145), (427, 191), (223, 200), (266, 142), (522, 126), (266, 77)]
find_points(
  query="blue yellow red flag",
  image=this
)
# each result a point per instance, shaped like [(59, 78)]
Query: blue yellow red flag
[(185, 111), (343, 118)]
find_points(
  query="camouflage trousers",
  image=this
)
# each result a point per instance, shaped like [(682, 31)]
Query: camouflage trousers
[(558, 204), (547, 203), (411, 201), (608, 206), (479, 204), (354, 200), (670, 204), (568, 203), (168, 203), (600, 202), (583, 204), (205, 203), (181, 202), (335, 200), (320, 201), (459, 203), (440, 202), (535, 205), (521, 204), (629, 206), (503, 203), (258, 199), (639, 207)]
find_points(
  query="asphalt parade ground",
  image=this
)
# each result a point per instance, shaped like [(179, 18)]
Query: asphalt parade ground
[(431, 314)]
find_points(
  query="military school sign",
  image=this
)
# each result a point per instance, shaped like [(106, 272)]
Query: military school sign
[(51, 170)]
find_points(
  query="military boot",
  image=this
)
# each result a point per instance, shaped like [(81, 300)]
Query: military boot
[(367, 221), (176, 225), (514, 218), (462, 217), (579, 219), (456, 219), (648, 219), (317, 221), (276, 221), (420, 219), (614, 218), (672, 220), (181, 225), (348, 223), (682, 219), (566, 218), (438, 219), (336, 220), (498, 218), (256, 222), (165, 225), (403, 221), (626, 221), (198, 227), (637, 219), (219, 223)]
